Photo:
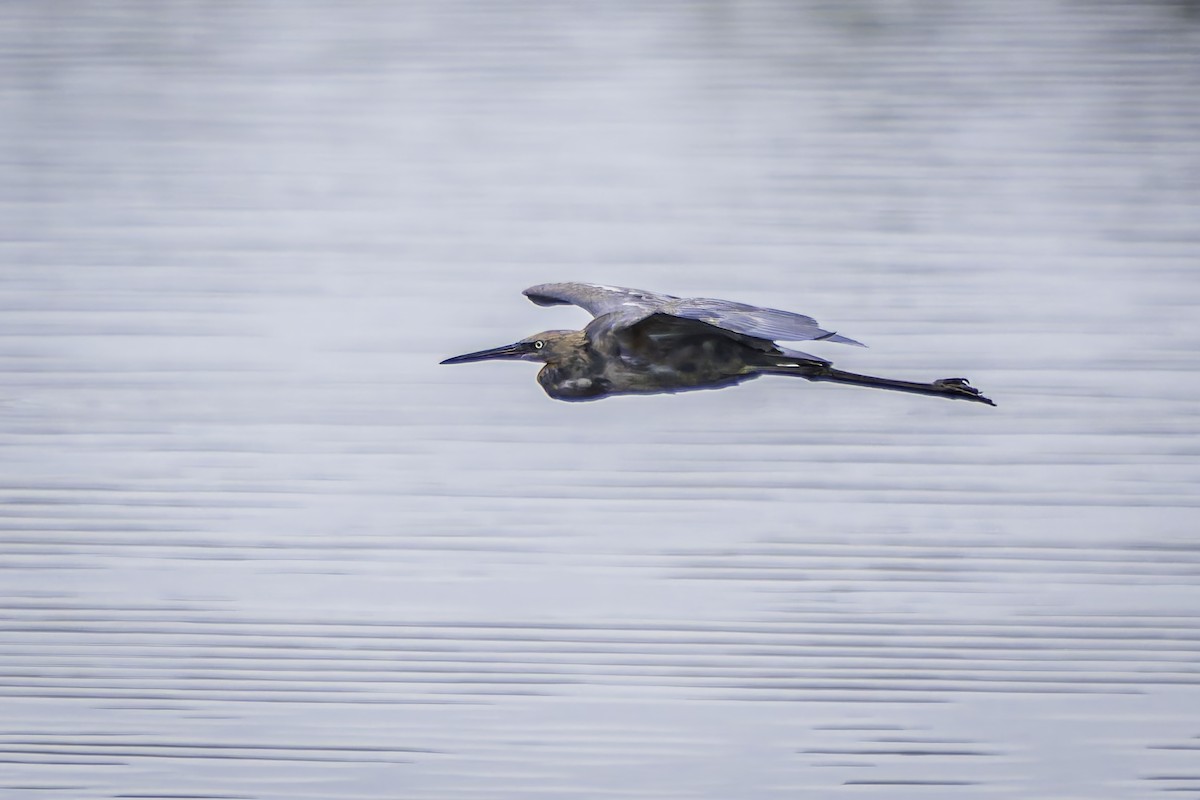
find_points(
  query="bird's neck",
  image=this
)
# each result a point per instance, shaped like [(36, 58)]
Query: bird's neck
[(574, 370)]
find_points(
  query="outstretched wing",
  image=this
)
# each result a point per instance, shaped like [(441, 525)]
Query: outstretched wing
[(764, 323), (662, 339), (629, 306), (596, 299)]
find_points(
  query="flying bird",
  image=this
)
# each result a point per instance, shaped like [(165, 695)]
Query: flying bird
[(641, 342)]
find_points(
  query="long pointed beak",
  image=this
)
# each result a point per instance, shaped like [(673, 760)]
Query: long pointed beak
[(515, 350)]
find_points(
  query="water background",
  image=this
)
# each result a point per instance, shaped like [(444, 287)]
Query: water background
[(256, 543)]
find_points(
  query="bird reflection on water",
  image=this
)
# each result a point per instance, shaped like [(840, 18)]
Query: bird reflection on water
[(643, 343)]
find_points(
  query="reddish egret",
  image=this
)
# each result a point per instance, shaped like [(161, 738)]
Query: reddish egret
[(642, 342)]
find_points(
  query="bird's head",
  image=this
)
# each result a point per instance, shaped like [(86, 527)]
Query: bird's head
[(544, 346)]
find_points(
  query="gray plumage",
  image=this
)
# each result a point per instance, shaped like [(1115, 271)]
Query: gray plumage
[(644, 342), (625, 307)]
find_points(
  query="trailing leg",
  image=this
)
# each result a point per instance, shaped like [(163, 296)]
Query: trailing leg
[(951, 388)]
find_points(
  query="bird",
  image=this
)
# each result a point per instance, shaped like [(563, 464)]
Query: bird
[(641, 342)]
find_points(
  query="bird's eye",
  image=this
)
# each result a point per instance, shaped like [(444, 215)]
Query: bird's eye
[(539, 344)]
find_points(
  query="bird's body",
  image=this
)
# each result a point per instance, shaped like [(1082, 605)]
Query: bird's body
[(638, 360), (643, 343)]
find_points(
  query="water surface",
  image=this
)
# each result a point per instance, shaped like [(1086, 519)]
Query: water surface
[(256, 543)]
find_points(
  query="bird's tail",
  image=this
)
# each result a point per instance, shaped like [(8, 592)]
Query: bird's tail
[(816, 370)]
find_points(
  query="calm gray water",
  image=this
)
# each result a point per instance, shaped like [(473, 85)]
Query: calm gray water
[(256, 543)]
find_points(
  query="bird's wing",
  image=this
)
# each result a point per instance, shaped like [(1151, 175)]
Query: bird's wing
[(763, 323), (597, 299), (658, 336), (629, 306), (658, 339)]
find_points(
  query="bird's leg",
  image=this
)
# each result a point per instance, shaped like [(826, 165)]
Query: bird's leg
[(952, 388)]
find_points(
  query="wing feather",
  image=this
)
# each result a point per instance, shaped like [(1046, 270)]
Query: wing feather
[(597, 299), (630, 306), (765, 323)]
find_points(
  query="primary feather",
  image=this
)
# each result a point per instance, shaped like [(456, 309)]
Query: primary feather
[(627, 307)]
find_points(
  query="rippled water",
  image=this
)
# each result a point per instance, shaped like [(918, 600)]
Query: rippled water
[(256, 543)]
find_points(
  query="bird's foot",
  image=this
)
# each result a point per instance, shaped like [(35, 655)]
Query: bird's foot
[(961, 388)]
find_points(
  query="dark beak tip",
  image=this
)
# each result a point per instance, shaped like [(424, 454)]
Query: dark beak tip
[(507, 351), (458, 359)]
